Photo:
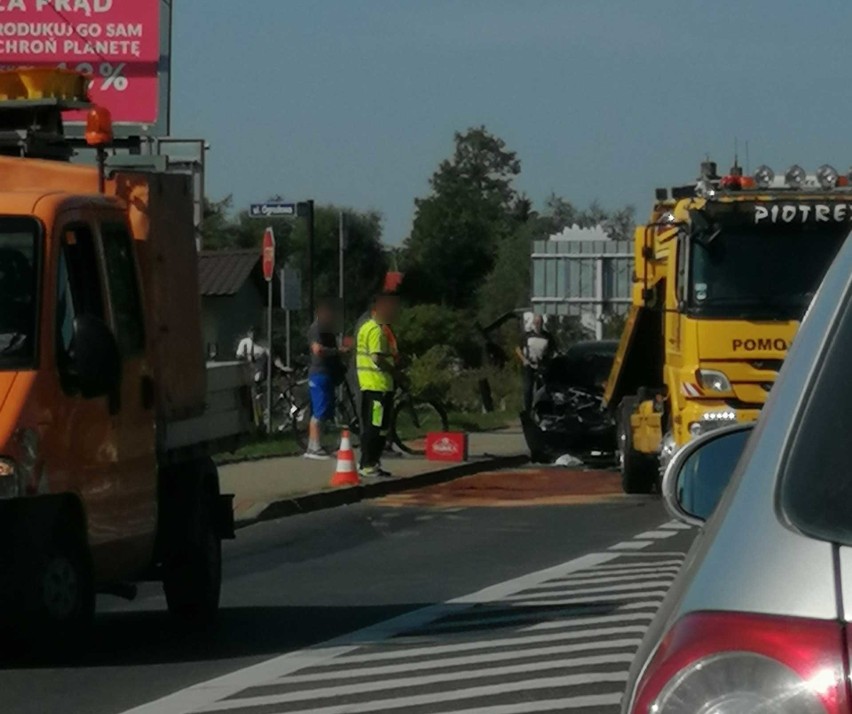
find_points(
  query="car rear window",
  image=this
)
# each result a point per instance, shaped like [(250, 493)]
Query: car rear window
[(816, 484)]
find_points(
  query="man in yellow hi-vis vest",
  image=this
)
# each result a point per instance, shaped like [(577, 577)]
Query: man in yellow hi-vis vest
[(374, 362)]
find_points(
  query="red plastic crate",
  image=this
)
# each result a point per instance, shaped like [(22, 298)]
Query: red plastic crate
[(446, 446)]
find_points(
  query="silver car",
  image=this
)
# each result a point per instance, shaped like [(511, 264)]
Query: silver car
[(758, 620)]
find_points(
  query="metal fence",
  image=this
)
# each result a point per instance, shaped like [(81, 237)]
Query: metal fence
[(582, 273)]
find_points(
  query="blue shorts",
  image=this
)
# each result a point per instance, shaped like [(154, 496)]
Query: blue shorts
[(321, 388)]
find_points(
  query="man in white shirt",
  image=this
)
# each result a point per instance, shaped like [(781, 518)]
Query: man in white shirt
[(535, 350), (250, 351)]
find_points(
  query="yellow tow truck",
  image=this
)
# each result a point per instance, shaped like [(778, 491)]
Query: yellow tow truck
[(724, 271)]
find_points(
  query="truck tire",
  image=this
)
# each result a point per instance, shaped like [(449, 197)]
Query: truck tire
[(192, 569), (60, 585), (639, 472)]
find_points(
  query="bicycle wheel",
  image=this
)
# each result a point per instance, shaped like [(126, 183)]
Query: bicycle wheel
[(414, 418), (344, 418), (300, 418)]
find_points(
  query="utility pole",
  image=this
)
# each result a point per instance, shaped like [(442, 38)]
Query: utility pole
[(341, 247), (310, 221)]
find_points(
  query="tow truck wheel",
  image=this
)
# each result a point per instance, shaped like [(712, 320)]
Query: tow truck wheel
[(638, 471), (192, 574)]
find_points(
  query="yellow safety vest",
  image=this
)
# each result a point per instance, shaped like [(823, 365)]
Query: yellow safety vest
[(371, 340)]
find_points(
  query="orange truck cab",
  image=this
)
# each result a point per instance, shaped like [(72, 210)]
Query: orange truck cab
[(108, 413)]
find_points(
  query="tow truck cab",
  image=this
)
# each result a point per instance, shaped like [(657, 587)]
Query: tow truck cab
[(725, 269)]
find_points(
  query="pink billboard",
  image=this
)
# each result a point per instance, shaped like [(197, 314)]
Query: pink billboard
[(117, 42)]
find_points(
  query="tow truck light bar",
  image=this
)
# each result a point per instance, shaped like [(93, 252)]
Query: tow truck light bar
[(795, 178)]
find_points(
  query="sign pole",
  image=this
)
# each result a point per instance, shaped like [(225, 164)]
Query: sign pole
[(268, 264), (269, 360), (287, 327)]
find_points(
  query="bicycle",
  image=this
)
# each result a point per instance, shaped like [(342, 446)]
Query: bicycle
[(412, 418), (288, 397)]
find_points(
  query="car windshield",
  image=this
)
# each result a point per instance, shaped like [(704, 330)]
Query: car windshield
[(18, 292), (761, 272)]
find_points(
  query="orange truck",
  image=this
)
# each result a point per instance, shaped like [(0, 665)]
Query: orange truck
[(108, 413)]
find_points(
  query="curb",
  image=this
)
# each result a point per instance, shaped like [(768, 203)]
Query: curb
[(331, 498)]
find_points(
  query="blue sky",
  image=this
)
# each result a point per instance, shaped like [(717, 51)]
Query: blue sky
[(355, 101)]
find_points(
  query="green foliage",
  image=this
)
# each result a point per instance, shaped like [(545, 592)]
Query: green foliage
[(422, 327), (505, 384), (458, 227), (507, 287), (432, 373)]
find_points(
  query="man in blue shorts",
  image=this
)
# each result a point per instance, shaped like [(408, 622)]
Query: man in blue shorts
[(325, 370)]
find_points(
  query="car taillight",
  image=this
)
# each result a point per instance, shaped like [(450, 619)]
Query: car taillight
[(731, 663)]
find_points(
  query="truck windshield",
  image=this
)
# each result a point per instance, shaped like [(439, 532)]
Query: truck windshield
[(751, 272), (18, 291)]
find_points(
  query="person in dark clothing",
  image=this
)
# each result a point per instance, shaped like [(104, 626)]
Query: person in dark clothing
[(535, 351), (325, 371)]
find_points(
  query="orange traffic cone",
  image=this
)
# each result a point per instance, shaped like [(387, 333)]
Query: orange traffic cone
[(345, 473)]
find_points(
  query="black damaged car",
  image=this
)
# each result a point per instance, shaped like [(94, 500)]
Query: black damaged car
[(568, 416)]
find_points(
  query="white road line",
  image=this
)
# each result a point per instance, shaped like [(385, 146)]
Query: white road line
[(628, 566), (202, 694), (424, 679), (637, 571), (614, 577), (677, 525), (392, 653), (631, 545), (622, 568), (586, 702), (646, 604), (500, 618), (432, 697), (496, 621), (563, 624), (562, 591), (454, 663), (538, 653), (590, 600), (657, 535), (654, 554)]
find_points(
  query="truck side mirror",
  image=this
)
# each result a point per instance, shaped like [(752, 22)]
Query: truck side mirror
[(697, 476), (97, 360)]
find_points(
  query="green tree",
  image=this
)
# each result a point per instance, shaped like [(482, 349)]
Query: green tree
[(457, 228), (422, 327)]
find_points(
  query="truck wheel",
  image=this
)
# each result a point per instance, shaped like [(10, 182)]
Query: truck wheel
[(62, 586), (638, 471), (192, 573)]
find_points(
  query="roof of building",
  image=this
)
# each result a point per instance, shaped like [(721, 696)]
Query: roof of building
[(224, 272), (574, 232)]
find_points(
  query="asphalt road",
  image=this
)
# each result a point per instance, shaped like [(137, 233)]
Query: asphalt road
[(304, 580)]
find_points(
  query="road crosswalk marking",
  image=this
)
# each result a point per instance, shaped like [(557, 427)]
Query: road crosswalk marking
[(561, 639)]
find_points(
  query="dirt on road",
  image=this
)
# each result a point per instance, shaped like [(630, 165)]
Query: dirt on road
[(533, 486)]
